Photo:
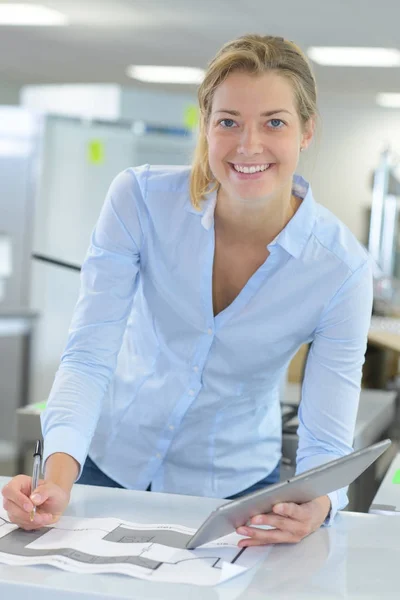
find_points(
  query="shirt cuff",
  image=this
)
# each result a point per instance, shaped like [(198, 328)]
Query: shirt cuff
[(67, 440), (338, 501)]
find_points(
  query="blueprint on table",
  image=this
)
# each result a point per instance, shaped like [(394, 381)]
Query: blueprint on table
[(108, 545)]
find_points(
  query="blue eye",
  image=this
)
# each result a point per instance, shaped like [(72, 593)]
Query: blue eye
[(227, 123), (276, 123)]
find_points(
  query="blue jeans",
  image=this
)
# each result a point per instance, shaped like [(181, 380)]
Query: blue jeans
[(92, 475)]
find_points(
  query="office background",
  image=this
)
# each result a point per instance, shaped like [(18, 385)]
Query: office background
[(71, 118)]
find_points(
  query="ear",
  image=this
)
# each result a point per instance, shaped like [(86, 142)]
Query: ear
[(308, 133)]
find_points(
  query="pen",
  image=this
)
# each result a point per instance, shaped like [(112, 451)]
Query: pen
[(37, 463)]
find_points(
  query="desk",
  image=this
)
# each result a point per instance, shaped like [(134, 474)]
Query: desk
[(356, 558), (385, 333)]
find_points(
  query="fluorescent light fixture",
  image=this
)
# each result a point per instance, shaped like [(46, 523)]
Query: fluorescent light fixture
[(153, 74), (30, 14), (355, 57), (388, 100)]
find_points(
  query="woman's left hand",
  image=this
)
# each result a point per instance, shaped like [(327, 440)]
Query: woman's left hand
[(292, 523)]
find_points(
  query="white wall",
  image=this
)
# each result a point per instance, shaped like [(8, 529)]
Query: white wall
[(352, 133)]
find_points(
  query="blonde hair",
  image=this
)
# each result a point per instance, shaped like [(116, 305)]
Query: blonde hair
[(254, 54)]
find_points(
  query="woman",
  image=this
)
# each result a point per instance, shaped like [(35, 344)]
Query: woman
[(199, 286)]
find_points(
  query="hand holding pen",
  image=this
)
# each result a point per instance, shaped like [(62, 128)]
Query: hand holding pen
[(31, 502)]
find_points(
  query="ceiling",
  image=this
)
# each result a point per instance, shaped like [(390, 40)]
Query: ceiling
[(104, 36)]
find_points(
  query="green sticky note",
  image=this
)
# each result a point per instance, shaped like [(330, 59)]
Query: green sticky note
[(396, 478), (191, 116), (96, 152), (40, 406)]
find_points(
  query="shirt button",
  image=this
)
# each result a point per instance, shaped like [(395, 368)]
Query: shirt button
[(158, 455), (195, 369), (171, 427), (209, 331), (191, 392)]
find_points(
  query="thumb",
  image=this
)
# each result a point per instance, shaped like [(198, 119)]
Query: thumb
[(40, 494)]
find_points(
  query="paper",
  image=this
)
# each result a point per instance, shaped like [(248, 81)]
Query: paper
[(107, 545)]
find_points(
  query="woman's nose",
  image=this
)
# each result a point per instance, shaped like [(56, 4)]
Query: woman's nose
[(250, 142)]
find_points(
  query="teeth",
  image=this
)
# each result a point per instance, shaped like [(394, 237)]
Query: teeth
[(252, 169)]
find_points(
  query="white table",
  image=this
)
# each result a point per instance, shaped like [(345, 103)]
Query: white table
[(356, 558)]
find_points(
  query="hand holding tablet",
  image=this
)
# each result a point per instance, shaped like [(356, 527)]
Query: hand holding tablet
[(303, 488)]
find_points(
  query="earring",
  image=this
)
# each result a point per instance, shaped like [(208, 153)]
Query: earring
[(301, 148)]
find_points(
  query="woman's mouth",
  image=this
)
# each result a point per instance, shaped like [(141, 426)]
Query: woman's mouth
[(250, 171)]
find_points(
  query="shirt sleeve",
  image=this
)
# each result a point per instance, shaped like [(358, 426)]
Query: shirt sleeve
[(109, 278), (332, 379)]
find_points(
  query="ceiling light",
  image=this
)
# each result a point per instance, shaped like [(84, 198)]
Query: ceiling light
[(388, 100), (355, 57), (153, 74), (30, 14)]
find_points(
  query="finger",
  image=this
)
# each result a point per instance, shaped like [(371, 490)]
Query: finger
[(291, 510), (40, 494), (13, 509), (21, 514), (288, 531), (13, 493), (20, 482), (260, 537), (297, 528), (23, 519)]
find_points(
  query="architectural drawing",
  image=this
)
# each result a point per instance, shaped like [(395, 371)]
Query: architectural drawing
[(152, 551)]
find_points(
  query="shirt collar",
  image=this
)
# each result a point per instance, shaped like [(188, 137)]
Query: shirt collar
[(293, 236), (206, 210)]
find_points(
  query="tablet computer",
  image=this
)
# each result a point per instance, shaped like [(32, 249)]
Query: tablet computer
[(311, 484)]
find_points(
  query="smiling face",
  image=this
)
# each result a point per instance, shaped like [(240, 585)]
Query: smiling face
[(254, 135)]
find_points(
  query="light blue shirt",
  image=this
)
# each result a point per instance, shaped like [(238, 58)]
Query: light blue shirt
[(159, 390)]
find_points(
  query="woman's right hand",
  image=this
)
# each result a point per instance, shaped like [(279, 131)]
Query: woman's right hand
[(50, 500)]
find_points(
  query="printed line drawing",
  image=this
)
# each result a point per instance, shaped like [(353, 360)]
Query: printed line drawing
[(154, 551)]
